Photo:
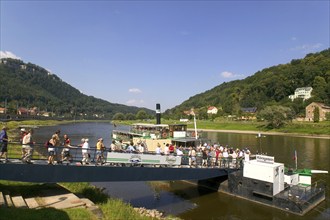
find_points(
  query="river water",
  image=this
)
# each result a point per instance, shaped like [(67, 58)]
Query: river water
[(184, 200)]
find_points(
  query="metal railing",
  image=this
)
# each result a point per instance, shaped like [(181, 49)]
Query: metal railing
[(40, 152)]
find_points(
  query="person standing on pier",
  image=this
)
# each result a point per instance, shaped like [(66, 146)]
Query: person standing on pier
[(4, 143), (158, 150), (140, 147), (66, 156), (28, 145), (22, 134), (192, 156), (100, 148), (84, 151), (51, 150), (57, 144)]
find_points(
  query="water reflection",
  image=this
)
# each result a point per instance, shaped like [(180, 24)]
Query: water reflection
[(150, 195)]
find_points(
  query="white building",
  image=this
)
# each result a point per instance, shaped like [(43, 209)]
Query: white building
[(303, 92), (212, 110)]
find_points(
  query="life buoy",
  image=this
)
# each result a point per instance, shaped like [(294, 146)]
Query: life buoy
[(164, 135)]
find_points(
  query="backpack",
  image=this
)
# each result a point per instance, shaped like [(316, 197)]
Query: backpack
[(46, 144)]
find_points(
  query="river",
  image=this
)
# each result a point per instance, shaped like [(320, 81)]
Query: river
[(184, 200)]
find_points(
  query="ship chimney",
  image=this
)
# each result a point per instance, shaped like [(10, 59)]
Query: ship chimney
[(157, 114)]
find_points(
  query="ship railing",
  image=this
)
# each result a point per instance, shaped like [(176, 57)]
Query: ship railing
[(40, 152), (229, 162), (307, 192)]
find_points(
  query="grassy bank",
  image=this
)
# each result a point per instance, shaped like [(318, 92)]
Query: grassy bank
[(306, 128), (111, 208), (303, 128)]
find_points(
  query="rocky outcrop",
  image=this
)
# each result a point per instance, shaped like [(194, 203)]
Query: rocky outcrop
[(149, 212)]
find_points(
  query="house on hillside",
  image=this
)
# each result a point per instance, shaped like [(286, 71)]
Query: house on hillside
[(303, 92), (2, 110), (189, 112), (22, 111), (212, 110), (248, 113), (250, 110), (322, 108), (25, 111), (44, 113), (3, 61)]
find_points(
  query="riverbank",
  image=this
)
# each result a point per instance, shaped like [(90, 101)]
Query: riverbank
[(295, 128), (266, 133)]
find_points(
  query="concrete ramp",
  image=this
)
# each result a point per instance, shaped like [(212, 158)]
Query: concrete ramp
[(60, 199)]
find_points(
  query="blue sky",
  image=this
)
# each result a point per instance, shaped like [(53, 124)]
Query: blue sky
[(140, 53)]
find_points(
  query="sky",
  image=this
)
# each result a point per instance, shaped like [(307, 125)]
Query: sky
[(140, 53)]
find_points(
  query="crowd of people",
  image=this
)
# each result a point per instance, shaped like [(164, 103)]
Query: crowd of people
[(203, 155), (59, 150)]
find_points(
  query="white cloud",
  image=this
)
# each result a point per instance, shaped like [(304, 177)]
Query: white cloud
[(227, 74), (135, 102), (293, 38), (184, 33), (134, 90), (307, 47), (8, 54)]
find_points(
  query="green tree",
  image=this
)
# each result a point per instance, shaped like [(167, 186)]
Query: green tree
[(327, 116), (276, 116), (119, 116), (130, 116), (141, 115), (298, 105), (316, 117), (202, 115), (320, 88)]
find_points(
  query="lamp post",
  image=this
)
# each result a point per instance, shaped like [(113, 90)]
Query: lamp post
[(259, 136)]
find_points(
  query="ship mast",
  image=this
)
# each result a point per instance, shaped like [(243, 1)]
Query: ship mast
[(196, 135)]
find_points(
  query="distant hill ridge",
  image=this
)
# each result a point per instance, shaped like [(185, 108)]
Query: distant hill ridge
[(28, 85), (269, 86)]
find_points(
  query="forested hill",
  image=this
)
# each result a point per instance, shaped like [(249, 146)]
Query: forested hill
[(28, 85), (267, 87)]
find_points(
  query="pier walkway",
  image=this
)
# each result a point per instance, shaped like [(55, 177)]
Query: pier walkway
[(39, 171)]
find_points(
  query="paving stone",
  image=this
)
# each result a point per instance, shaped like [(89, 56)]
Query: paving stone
[(61, 200), (32, 203), (8, 201), (18, 202), (2, 200), (88, 202)]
